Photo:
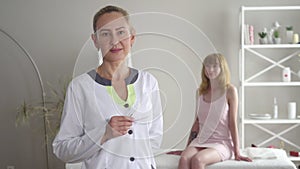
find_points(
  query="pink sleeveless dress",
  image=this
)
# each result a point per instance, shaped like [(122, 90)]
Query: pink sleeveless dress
[(213, 126)]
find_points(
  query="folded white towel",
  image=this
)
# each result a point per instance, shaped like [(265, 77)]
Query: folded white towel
[(260, 153)]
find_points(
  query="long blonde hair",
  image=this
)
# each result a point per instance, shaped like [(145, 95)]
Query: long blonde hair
[(224, 76)]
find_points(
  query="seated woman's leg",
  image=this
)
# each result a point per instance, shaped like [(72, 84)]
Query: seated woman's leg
[(186, 156), (205, 157)]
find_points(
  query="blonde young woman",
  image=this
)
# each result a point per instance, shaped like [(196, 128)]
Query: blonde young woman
[(112, 116), (214, 134)]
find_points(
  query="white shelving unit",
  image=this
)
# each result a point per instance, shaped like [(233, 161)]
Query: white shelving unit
[(249, 81)]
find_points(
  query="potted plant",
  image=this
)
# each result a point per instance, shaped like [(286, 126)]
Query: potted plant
[(277, 39), (262, 38), (289, 34)]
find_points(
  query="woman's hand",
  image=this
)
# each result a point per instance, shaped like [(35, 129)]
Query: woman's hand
[(238, 157), (117, 126)]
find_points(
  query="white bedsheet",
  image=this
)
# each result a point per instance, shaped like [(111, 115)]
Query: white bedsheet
[(281, 161), (165, 161)]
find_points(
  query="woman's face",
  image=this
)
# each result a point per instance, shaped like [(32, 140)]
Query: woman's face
[(212, 69), (113, 37)]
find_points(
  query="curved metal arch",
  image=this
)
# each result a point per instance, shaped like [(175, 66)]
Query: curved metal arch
[(40, 82)]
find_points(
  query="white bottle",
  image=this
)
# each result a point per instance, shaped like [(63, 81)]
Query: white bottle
[(296, 38), (286, 74), (275, 109), (292, 110)]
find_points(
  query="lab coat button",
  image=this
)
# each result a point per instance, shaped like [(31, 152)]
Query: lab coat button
[(126, 105), (130, 131), (131, 158)]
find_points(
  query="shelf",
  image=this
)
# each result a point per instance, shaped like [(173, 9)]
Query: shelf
[(257, 84), (271, 46), (272, 121), (264, 55), (266, 8)]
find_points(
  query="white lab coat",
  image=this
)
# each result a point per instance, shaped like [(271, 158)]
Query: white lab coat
[(87, 108)]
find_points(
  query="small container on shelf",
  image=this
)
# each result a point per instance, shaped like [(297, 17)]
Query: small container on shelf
[(275, 109), (259, 116), (294, 153), (292, 110), (286, 74), (296, 38)]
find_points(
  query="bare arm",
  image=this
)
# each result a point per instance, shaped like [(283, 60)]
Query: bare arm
[(193, 135), (195, 128), (194, 131), (232, 98)]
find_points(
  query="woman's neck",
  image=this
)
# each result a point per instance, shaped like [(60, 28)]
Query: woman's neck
[(214, 85), (113, 71)]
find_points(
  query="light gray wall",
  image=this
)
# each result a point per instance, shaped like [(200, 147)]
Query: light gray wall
[(56, 34)]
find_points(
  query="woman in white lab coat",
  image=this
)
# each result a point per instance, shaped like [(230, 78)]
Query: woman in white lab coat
[(112, 115)]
